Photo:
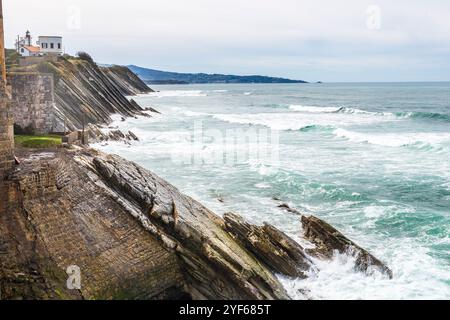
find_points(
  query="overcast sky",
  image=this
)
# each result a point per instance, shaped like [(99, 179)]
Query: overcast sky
[(327, 40)]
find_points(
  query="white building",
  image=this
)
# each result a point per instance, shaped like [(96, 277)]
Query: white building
[(46, 45), (30, 51), (50, 45)]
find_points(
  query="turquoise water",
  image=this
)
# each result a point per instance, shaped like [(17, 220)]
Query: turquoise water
[(371, 159)]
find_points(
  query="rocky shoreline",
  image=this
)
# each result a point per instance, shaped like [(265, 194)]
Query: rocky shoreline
[(135, 236), (131, 234)]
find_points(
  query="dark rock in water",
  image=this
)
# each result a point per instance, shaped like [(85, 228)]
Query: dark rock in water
[(286, 207), (116, 135), (152, 110), (279, 252), (327, 239), (133, 136)]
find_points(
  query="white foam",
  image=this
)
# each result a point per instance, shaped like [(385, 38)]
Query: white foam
[(263, 185), (416, 276), (344, 110), (393, 140), (178, 93), (313, 109), (297, 121)]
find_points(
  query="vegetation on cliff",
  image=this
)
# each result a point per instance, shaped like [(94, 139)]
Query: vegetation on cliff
[(160, 77), (35, 141)]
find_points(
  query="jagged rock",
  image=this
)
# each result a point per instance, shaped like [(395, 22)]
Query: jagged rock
[(126, 81), (151, 110), (215, 265), (133, 136), (279, 252), (286, 207), (328, 240), (116, 135), (133, 235)]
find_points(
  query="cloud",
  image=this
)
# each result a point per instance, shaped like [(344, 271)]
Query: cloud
[(297, 37)]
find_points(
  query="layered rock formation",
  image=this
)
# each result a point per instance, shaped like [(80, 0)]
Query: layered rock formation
[(79, 93), (328, 240), (135, 236), (127, 82), (132, 234)]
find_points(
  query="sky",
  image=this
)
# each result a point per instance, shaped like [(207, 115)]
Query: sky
[(312, 40)]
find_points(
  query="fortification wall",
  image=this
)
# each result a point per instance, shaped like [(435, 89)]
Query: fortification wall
[(29, 61), (6, 139), (33, 102)]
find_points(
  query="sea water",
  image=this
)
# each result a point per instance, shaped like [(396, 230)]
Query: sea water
[(371, 159)]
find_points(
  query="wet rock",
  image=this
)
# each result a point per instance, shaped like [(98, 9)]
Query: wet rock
[(132, 136), (286, 207), (133, 235), (152, 110), (328, 240), (279, 252), (215, 265)]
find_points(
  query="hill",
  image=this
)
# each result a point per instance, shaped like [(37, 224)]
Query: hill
[(152, 76)]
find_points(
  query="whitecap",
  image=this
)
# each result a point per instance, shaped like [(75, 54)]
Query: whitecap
[(178, 93), (314, 109), (393, 140)]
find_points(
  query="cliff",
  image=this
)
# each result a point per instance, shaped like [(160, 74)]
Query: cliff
[(80, 92), (135, 236), (127, 82)]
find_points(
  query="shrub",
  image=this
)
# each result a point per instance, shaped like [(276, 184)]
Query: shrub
[(85, 57)]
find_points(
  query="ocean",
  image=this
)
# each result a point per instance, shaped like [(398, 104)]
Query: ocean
[(373, 160)]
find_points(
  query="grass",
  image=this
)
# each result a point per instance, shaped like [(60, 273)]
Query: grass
[(36, 142)]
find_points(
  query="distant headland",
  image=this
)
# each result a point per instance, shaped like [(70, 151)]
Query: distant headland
[(151, 76)]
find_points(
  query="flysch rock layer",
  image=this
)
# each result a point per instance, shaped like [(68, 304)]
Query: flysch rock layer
[(133, 236)]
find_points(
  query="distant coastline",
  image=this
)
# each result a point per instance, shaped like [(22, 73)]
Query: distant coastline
[(151, 76)]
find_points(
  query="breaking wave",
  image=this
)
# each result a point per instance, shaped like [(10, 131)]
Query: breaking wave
[(425, 116), (394, 140), (178, 93), (412, 115), (315, 109)]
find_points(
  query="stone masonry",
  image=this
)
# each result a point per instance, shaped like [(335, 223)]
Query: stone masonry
[(6, 141), (33, 102), (6, 121)]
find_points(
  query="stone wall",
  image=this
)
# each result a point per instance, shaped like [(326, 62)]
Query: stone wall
[(6, 139), (33, 103), (29, 61)]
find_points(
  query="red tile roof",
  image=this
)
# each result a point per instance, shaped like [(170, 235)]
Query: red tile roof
[(33, 48)]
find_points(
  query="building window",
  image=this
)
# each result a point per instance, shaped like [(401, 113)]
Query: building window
[(59, 45), (22, 50), (52, 46)]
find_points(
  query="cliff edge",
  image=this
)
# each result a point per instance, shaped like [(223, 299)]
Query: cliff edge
[(56, 94)]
